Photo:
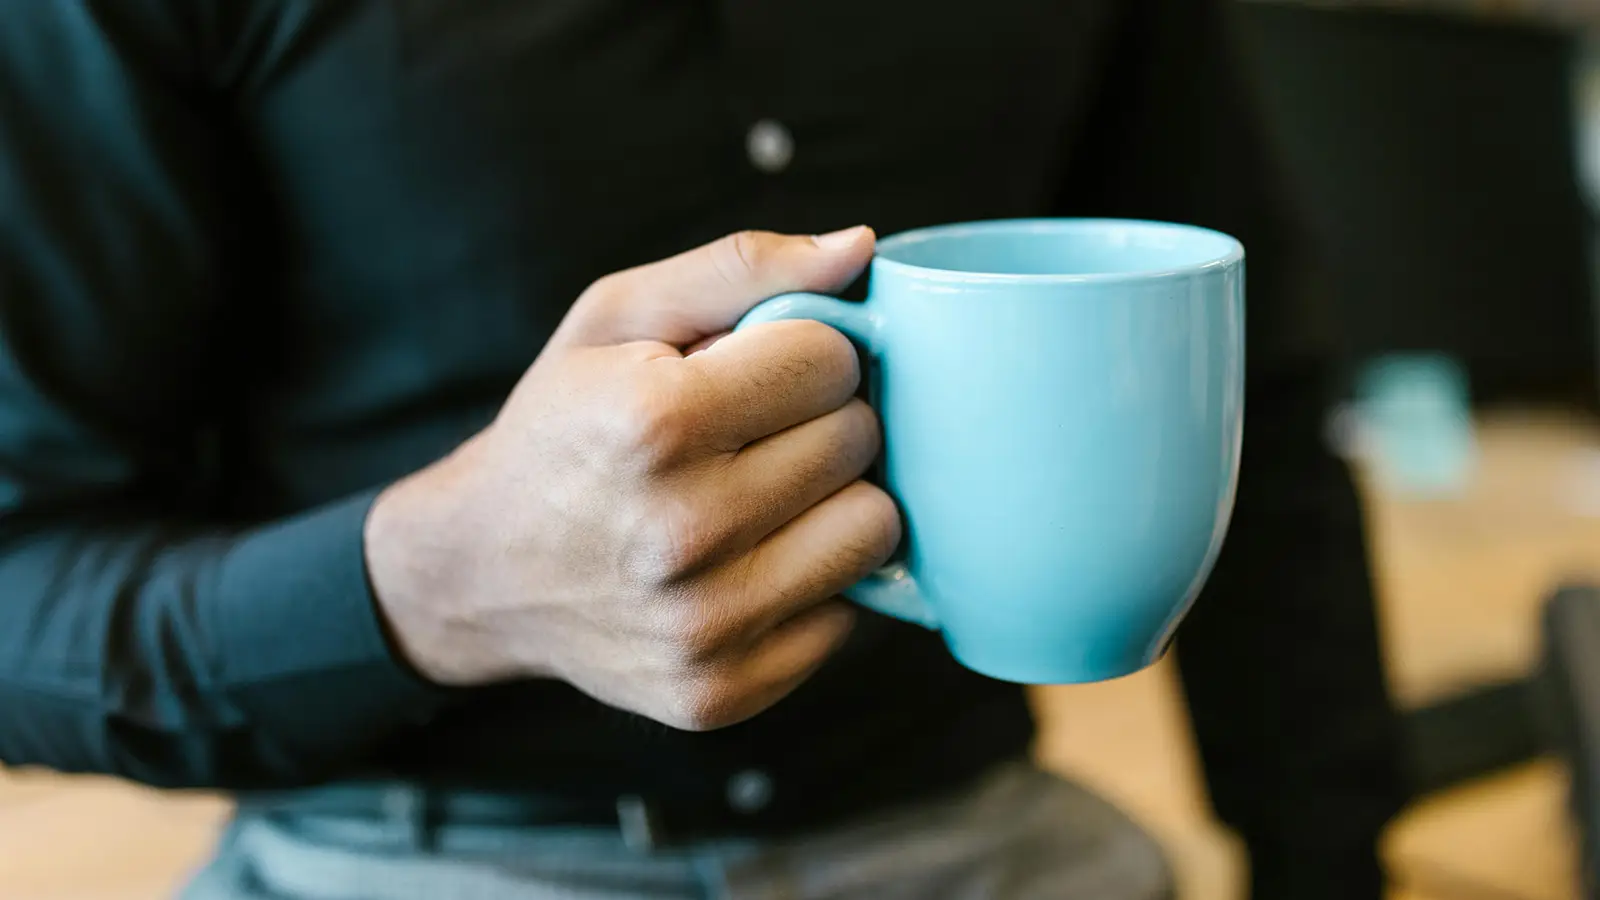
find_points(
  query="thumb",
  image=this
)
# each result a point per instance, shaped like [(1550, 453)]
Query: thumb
[(703, 292)]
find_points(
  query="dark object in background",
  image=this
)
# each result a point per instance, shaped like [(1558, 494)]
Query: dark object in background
[(1569, 683), (1435, 157), (1476, 732)]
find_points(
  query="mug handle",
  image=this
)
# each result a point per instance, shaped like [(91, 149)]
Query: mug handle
[(891, 590)]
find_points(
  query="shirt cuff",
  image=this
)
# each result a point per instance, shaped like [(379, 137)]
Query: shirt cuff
[(302, 648)]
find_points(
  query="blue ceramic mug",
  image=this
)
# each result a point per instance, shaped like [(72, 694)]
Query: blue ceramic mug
[(1062, 406)]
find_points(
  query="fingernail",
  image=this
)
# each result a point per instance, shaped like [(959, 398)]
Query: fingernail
[(839, 240)]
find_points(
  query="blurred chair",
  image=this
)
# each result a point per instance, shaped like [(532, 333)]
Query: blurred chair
[(1569, 685)]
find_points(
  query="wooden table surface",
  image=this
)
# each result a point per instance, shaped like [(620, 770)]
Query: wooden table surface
[(1460, 580)]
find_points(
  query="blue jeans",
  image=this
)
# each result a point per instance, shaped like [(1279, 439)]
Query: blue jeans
[(1019, 834)]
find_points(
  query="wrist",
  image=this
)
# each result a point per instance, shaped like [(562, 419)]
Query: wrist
[(418, 549)]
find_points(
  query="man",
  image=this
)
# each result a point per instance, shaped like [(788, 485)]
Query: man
[(337, 471)]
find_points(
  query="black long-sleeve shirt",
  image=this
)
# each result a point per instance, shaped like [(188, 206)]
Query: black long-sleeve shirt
[(258, 258)]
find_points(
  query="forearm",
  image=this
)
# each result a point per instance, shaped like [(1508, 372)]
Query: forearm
[(207, 660)]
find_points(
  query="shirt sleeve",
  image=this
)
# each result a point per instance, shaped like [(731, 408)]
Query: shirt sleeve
[(143, 633), (1280, 655)]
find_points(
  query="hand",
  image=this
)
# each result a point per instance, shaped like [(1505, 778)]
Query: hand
[(668, 532)]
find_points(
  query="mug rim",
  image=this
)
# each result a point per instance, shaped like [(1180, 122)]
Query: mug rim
[(882, 259)]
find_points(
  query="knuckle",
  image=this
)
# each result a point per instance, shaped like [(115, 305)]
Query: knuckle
[(704, 701), (676, 539), (693, 633), (741, 255), (604, 293), (602, 303), (653, 423)]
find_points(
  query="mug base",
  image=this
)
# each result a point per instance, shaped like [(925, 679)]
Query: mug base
[(1086, 669)]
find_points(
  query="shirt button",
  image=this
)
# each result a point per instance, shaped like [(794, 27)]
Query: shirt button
[(750, 791), (770, 146)]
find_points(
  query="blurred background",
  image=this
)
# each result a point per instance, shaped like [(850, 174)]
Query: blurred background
[(1448, 154)]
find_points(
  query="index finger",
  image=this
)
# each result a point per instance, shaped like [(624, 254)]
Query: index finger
[(769, 377)]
